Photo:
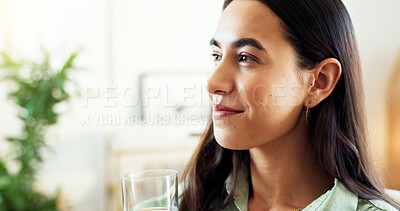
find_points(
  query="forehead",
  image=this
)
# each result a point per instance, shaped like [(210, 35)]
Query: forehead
[(248, 19)]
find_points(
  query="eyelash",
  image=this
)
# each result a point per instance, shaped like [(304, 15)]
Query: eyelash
[(250, 59), (214, 55), (241, 56)]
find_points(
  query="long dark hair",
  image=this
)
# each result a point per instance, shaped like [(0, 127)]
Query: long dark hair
[(316, 30)]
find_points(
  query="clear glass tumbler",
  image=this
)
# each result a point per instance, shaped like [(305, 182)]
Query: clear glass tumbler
[(150, 190)]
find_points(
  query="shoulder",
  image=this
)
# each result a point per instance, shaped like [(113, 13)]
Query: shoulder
[(341, 198), (374, 205)]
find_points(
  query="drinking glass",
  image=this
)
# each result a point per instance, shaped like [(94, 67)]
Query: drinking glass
[(150, 190)]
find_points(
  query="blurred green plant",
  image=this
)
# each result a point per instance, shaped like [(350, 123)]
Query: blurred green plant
[(37, 89)]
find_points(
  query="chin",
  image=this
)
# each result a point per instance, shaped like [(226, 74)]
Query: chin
[(228, 139), (231, 143)]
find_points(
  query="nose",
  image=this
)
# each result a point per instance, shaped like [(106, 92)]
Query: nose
[(220, 81)]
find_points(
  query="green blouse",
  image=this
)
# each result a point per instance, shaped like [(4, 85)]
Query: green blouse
[(337, 198)]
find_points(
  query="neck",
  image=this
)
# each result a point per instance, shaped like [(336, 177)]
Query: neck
[(284, 175)]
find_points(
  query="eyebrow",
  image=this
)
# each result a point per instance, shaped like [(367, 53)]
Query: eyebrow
[(241, 43)]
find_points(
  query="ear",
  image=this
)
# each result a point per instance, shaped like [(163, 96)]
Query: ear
[(323, 80)]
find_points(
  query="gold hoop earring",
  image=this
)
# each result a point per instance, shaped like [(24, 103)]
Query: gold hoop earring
[(308, 116)]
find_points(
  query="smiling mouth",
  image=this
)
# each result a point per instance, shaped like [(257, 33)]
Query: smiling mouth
[(220, 111)]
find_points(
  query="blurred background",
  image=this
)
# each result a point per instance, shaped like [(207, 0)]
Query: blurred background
[(137, 98)]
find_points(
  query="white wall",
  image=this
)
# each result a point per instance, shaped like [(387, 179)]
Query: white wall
[(378, 32), (62, 27), (119, 40)]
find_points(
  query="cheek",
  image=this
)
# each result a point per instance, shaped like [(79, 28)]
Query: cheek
[(285, 94), (289, 95), (272, 104), (263, 96), (259, 95)]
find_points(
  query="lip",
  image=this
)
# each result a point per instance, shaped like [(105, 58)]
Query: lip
[(221, 111)]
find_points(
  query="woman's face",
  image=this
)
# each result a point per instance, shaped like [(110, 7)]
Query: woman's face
[(256, 86)]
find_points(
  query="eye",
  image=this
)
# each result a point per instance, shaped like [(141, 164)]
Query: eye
[(245, 58), (216, 57)]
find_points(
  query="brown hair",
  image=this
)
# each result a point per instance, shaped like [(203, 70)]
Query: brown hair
[(316, 30)]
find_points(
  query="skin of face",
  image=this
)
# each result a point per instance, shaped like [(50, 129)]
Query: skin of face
[(265, 84)]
